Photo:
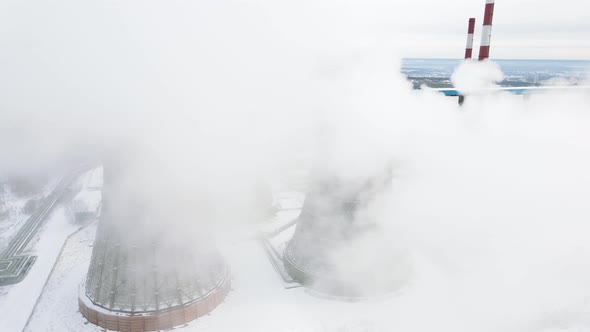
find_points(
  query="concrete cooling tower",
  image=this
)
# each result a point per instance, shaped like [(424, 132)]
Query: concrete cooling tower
[(333, 227), (145, 273)]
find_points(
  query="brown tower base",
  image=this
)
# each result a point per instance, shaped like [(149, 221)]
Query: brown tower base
[(153, 321)]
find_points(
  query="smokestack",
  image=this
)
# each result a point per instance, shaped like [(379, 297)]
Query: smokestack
[(486, 33), (143, 275), (470, 31)]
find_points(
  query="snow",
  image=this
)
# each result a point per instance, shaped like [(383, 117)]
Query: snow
[(57, 309), (19, 300), (14, 205), (86, 201), (92, 180), (258, 301), (89, 194), (14, 216)]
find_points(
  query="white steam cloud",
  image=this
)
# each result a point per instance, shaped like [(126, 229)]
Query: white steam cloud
[(472, 77), (489, 200)]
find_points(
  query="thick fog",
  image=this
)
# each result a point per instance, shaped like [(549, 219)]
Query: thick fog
[(488, 209)]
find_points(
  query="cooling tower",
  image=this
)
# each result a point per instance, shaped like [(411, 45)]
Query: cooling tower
[(337, 248), (146, 273)]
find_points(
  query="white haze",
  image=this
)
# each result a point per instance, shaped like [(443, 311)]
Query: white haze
[(489, 200)]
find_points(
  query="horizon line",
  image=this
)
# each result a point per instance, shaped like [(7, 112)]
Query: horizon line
[(496, 59)]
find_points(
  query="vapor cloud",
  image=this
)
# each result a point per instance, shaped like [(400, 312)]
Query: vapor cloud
[(489, 200)]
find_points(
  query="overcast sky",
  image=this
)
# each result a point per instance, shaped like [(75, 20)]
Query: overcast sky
[(530, 29), (535, 29)]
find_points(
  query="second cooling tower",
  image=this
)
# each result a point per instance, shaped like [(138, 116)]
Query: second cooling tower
[(338, 248)]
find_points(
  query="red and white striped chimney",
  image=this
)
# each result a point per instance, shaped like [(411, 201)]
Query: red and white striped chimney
[(470, 31), (486, 33)]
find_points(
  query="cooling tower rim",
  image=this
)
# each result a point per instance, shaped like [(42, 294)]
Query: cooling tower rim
[(153, 321), (385, 295), (341, 198), (307, 278), (291, 261), (226, 278)]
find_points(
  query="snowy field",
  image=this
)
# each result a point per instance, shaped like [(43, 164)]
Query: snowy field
[(258, 301), (13, 212), (18, 301), (57, 309)]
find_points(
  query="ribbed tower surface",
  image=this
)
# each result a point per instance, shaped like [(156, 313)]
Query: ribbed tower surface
[(333, 224), (145, 273)]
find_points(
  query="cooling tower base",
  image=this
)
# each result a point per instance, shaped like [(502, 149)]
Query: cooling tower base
[(327, 283), (155, 320), (321, 283)]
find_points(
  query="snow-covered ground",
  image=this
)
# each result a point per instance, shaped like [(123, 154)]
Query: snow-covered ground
[(13, 213), (92, 180), (89, 196), (13, 217), (58, 305), (19, 299), (259, 300)]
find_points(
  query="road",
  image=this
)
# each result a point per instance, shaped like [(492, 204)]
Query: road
[(14, 265)]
